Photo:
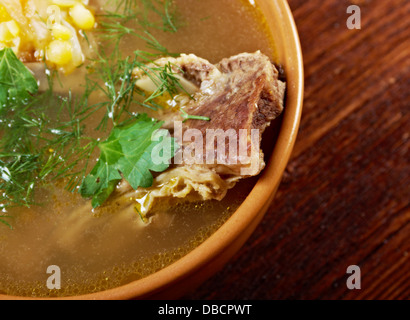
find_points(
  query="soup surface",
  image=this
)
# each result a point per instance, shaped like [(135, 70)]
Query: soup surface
[(104, 248)]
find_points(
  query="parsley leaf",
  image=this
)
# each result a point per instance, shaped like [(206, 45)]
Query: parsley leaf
[(16, 81), (130, 152)]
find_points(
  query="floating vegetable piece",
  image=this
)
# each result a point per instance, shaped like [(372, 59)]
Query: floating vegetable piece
[(127, 153), (16, 81)]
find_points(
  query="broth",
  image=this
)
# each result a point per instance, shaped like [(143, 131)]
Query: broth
[(100, 250)]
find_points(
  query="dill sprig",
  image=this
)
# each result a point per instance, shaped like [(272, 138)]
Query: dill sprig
[(3, 221), (17, 179), (132, 18), (164, 78), (147, 14), (187, 116), (112, 76), (39, 147), (44, 139)]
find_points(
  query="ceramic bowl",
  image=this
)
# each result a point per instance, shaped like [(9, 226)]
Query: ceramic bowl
[(193, 269), (197, 266)]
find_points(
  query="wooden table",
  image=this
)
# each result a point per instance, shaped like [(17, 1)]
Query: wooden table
[(345, 196)]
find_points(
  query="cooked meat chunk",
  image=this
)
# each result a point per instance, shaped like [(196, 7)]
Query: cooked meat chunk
[(240, 95), (246, 95)]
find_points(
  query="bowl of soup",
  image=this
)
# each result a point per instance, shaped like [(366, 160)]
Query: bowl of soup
[(88, 211)]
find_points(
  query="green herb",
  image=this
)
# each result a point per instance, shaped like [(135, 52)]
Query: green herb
[(165, 80), (162, 9), (112, 75), (2, 217), (153, 44), (127, 153), (43, 140), (16, 81), (43, 135), (17, 176), (148, 14), (19, 160), (187, 117)]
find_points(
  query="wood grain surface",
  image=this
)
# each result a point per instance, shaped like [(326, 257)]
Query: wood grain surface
[(345, 196)]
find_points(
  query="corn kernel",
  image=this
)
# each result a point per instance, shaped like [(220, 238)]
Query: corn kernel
[(5, 34), (4, 15), (59, 52), (13, 28), (61, 32), (82, 17), (65, 3)]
